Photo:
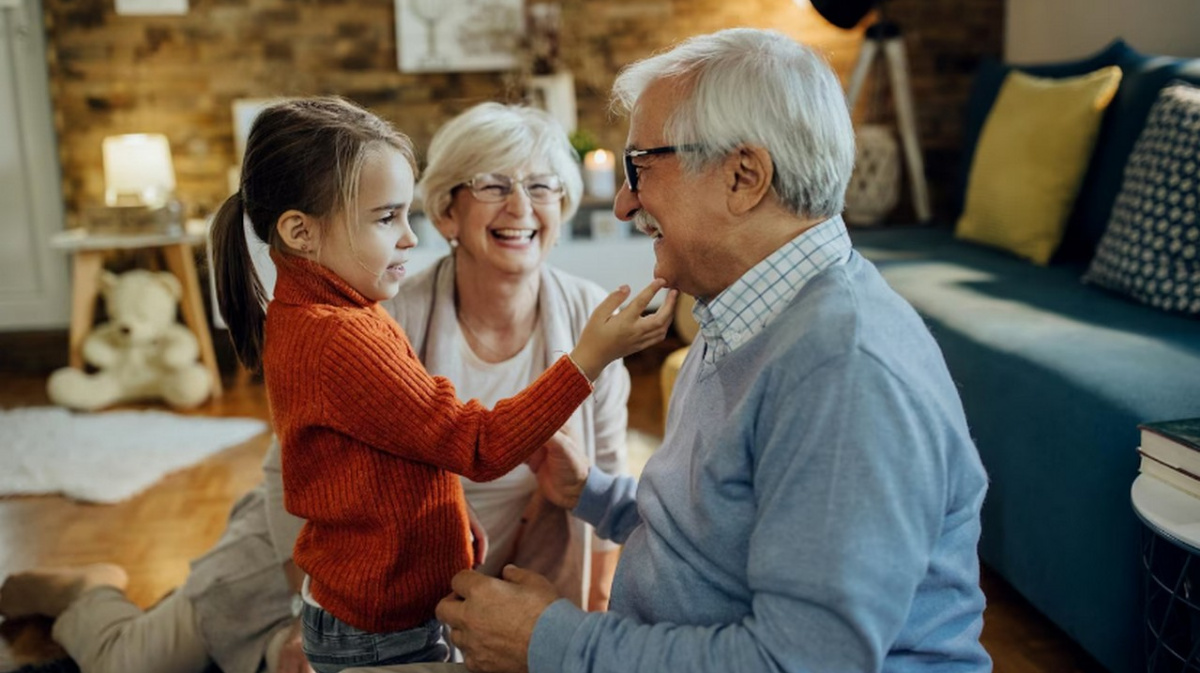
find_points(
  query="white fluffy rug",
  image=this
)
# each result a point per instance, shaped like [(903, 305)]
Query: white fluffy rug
[(107, 456)]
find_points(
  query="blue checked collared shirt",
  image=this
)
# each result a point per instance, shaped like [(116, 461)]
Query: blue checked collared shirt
[(745, 308)]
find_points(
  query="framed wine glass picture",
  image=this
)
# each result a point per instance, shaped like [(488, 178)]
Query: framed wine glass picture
[(458, 35)]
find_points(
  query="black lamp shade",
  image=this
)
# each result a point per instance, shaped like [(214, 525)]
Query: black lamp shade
[(843, 13)]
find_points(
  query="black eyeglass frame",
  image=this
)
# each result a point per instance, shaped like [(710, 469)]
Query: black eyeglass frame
[(631, 169)]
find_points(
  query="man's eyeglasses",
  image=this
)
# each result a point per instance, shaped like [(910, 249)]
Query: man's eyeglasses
[(497, 187), (631, 169)]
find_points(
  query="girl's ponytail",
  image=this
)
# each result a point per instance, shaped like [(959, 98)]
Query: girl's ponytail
[(240, 295)]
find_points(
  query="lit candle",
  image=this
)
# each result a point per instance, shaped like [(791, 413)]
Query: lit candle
[(599, 174)]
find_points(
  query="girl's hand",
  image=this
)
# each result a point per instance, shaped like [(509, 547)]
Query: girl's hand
[(614, 332)]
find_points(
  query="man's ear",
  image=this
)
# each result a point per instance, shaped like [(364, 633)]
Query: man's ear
[(748, 172), (297, 231)]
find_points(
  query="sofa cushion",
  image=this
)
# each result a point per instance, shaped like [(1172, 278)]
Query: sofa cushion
[(1144, 77), (985, 87), (1043, 315), (1151, 249), (1031, 159)]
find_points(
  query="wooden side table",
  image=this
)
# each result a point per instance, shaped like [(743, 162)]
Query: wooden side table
[(178, 251)]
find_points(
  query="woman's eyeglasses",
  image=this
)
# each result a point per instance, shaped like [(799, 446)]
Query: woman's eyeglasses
[(496, 187)]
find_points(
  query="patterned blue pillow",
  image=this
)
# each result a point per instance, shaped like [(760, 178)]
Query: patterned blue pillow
[(1151, 248)]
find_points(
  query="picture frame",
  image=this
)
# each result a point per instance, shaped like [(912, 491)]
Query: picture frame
[(245, 111), (555, 94), (458, 35)]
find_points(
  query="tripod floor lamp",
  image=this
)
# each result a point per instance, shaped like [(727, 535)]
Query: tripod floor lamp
[(884, 38)]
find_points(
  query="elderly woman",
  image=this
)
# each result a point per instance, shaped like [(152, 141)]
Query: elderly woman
[(491, 316)]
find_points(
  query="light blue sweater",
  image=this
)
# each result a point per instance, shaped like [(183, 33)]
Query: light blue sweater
[(814, 507)]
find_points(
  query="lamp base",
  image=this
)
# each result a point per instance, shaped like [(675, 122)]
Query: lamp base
[(166, 219)]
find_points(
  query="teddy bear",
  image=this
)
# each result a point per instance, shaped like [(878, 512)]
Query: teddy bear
[(141, 353)]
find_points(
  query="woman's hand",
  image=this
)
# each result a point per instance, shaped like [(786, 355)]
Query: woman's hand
[(561, 470), (613, 332), (479, 539)]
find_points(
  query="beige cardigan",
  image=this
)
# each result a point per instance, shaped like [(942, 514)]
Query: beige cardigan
[(551, 542)]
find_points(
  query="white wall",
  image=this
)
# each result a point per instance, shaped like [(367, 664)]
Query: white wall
[(1054, 30), (33, 278)]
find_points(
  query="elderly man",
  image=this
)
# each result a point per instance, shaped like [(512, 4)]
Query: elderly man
[(815, 503)]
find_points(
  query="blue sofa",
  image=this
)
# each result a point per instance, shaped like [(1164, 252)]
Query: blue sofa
[(1055, 375)]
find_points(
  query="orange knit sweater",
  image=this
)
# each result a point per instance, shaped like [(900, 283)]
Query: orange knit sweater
[(371, 444)]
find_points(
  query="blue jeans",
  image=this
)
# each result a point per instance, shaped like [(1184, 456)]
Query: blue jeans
[(332, 645)]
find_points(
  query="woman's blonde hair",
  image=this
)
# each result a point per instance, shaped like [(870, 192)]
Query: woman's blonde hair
[(493, 138)]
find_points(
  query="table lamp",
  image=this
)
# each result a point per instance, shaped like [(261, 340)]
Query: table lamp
[(139, 186), (138, 170), (884, 38)]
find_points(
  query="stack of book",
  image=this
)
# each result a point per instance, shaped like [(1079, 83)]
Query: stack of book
[(1170, 451)]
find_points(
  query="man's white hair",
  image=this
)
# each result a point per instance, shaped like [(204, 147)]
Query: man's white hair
[(496, 138), (756, 87)]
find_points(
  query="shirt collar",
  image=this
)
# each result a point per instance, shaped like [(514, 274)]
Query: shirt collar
[(753, 301)]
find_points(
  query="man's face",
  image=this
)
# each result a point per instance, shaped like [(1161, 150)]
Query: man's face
[(671, 206)]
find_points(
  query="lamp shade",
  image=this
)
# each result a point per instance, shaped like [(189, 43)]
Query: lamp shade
[(844, 14), (138, 170)]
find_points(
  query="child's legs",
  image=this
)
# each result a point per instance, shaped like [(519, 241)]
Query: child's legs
[(331, 645), (105, 633)]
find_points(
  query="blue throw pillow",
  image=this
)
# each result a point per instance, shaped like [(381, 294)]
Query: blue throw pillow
[(1151, 248)]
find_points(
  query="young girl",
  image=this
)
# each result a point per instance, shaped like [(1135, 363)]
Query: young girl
[(371, 442)]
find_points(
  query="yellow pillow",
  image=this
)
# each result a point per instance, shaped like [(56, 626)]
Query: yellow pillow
[(1031, 158)]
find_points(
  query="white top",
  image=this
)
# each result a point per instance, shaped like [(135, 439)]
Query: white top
[(554, 543), (1168, 510), (500, 503)]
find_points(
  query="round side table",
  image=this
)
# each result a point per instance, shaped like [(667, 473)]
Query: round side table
[(1171, 574)]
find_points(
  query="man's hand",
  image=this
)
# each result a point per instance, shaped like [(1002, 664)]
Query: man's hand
[(291, 653), (492, 620), (561, 470)]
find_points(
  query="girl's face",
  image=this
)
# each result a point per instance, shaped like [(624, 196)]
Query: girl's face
[(369, 252), (513, 235)]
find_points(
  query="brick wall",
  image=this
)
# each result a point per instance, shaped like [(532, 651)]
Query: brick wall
[(178, 75)]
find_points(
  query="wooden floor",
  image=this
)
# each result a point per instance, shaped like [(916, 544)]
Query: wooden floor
[(155, 534)]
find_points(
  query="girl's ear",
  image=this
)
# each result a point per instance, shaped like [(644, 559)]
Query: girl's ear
[(298, 232)]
